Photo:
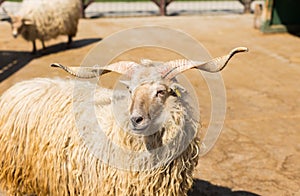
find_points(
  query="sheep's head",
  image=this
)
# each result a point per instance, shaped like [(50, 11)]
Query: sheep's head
[(147, 103), (151, 84), (149, 92)]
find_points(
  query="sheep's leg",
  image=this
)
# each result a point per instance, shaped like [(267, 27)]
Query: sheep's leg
[(43, 44), (33, 47), (69, 39)]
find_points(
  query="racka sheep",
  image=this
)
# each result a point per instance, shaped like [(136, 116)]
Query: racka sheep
[(50, 135), (45, 20)]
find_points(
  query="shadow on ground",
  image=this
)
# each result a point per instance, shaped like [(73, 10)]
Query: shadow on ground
[(205, 188), (12, 61), (293, 31)]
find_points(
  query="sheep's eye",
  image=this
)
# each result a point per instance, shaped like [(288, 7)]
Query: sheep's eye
[(129, 90), (160, 93)]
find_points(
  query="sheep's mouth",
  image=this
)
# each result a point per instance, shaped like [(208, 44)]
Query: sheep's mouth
[(140, 130), (146, 129)]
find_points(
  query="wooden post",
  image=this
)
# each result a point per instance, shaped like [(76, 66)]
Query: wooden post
[(162, 4), (1, 1), (84, 6), (247, 5), (163, 8)]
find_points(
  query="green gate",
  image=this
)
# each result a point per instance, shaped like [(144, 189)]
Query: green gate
[(281, 16)]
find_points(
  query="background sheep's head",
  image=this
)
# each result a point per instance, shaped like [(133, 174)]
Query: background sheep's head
[(17, 23), (151, 84)]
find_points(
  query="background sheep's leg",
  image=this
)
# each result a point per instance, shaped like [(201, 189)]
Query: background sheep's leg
[(33, 47), (43, 44), (69, 39)]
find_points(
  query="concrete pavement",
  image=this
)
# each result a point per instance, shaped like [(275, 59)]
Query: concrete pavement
[(258, 151)]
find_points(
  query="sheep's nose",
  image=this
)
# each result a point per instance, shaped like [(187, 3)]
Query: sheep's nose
[(136, 120)]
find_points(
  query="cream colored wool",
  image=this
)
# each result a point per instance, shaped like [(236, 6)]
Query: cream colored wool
[(50, 18), (42, 153)]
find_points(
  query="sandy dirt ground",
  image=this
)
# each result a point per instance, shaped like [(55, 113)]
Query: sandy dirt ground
[(258, 151)]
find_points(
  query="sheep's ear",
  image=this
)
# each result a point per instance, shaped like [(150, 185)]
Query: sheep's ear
[(27, 21), (9, 20), (176, 90)]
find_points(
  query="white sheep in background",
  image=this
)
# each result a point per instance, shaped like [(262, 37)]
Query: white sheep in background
[(45, 20), (43, 153)]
